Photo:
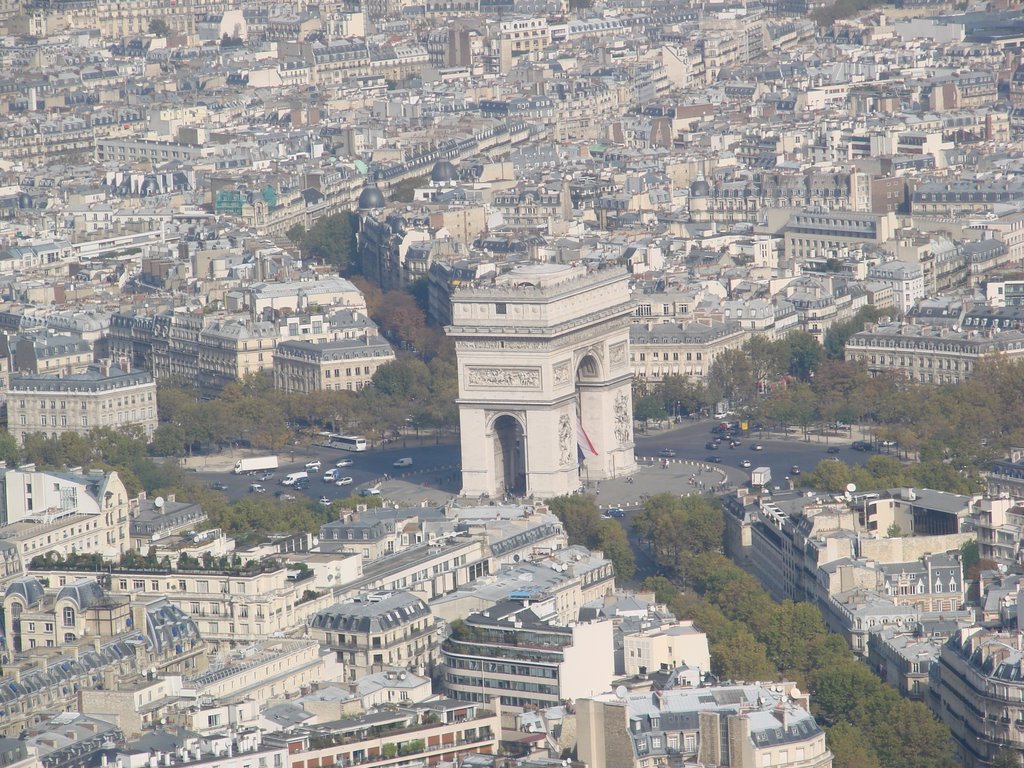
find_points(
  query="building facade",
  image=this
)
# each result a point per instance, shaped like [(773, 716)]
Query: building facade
[(106, 395), (376, 632)]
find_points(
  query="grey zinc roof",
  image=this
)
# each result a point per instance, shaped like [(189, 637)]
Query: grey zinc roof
[(371, 615)]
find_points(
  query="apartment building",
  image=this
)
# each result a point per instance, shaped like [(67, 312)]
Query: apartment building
[(106, 395), (667, 646), (742, 726), (70, 615), (348, 364), (905, 278), (444, 731), (515, 651), (66, 513), (689, 349), (932, 354), (242, 605), (571, 578), (816, 550), (519, 39), (818, 232), (47, 351), (979, 693), (1000, 525), (216, 352), (262, 672), (378, 631)]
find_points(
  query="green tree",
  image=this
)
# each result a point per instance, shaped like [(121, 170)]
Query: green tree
[(805, 354), (769, 360), (580, 516), (680, 396), (159, 28), (9, 452), (839, 333), (331, 239), (731, 378), (613, 542), (849, 749), (168, 440), (648, 407), (1006, 758)]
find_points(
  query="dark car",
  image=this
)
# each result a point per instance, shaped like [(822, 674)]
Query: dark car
[(711, 445), (218, 486), (715, 459), (617, 513), (833, 449), (301, 484), (668, 453), (861, 445), (794, 470)]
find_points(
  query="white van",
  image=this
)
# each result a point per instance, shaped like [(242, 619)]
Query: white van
[(406, 462), (294, 477)]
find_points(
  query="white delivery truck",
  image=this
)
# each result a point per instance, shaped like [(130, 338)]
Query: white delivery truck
[(294, 477), (255, 464), (761, 476)]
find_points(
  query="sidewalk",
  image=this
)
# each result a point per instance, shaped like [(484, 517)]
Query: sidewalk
[(679, 477)]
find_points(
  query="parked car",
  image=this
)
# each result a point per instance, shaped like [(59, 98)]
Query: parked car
[(861, 445), (314, 464), (344, 463), (794, 470), (616, 513), (343, 481), (668, 453), (833, 449), (256, 488), (325, 501)]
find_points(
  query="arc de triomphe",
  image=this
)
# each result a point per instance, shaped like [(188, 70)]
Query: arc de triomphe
[(545, 385)]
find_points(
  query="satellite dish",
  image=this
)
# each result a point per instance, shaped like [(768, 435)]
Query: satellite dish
[(795, 693), (851, 487), (621, 691), (158, 502)]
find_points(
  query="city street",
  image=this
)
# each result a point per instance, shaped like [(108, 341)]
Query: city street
[(433, 476)]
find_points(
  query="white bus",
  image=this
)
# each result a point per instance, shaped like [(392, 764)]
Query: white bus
[(344, 442)]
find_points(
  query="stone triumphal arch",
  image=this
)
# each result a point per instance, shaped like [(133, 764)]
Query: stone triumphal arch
[(545, 385)]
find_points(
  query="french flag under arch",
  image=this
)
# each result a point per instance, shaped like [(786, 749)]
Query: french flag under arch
[(583, 444)]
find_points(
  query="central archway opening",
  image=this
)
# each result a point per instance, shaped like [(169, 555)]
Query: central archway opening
[(510, 455)]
